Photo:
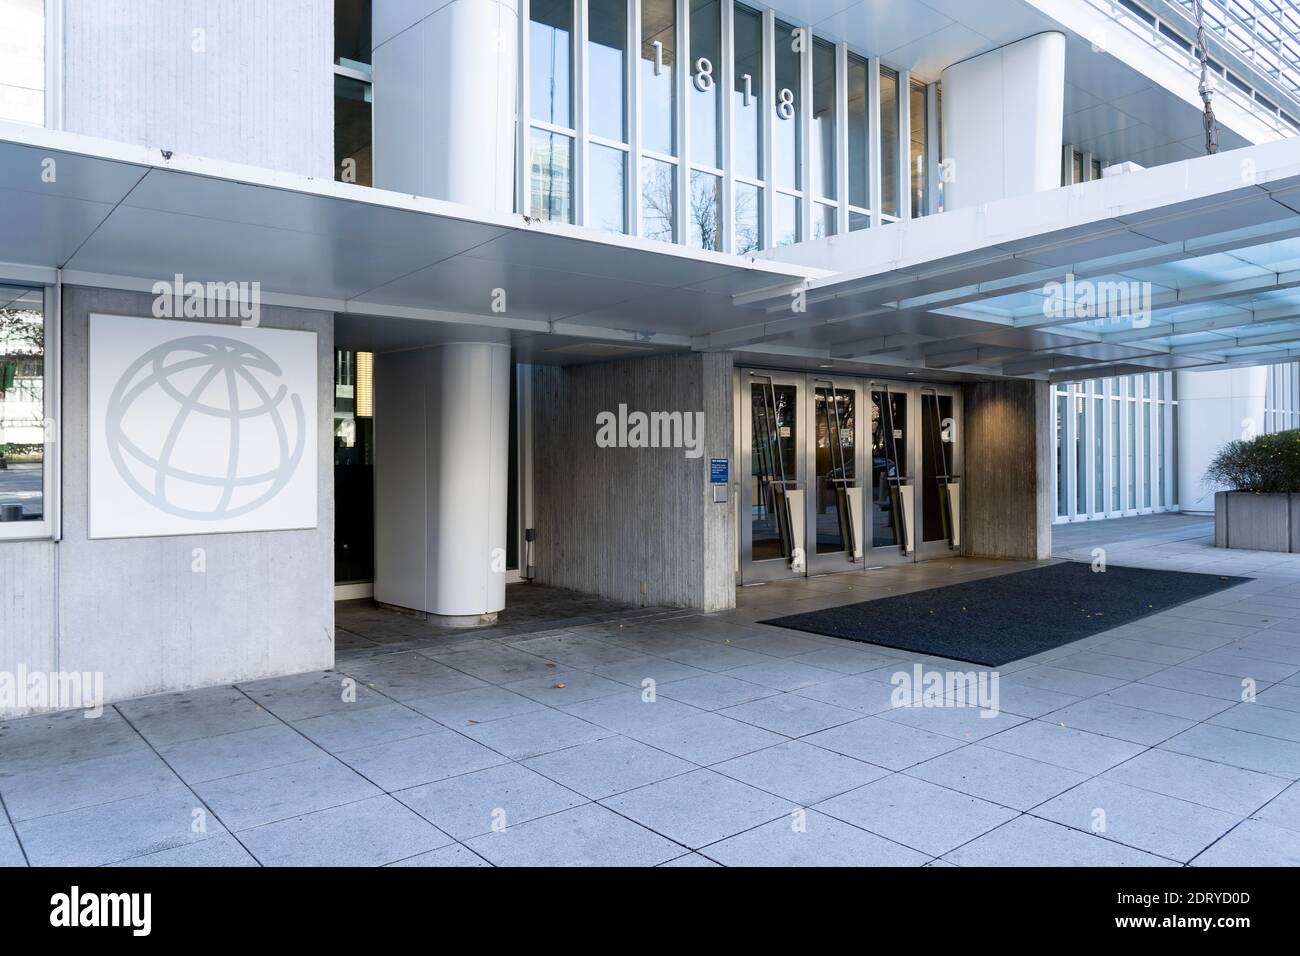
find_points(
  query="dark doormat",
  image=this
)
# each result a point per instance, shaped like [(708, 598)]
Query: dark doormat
[(997, 620)]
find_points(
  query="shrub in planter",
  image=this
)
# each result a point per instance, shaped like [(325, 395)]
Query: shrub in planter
[(1266, 464)]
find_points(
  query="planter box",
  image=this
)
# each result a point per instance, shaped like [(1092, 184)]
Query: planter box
[(1257, 522)]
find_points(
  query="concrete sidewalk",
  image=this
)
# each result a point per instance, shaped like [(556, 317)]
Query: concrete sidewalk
[(621, 737)]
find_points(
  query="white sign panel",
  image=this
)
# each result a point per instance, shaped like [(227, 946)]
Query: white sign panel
[(198, 428)]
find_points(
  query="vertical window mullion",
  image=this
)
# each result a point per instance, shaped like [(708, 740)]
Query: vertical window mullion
[(842, 137), (578, 82), (905, 150), (1069, 447), (682, 196), (725, 79), (1089, 451), (873, 139), (932, 157), (633, 192), (768, 106), (804, 132), (523, 135)]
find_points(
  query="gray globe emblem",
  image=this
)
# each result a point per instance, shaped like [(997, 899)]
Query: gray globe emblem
[(208, 366)]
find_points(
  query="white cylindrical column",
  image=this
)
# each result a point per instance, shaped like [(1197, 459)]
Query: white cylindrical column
[(445, 84), (468, 440), (442, 427), (1214, 408), (1003, 116)]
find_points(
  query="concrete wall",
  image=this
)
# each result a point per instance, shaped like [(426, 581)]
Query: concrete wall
[(633, 524), (1007, 481), (1214, 408), (255, 86), (133, 608)]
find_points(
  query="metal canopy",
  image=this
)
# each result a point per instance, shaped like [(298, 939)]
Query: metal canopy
[(399, 270), (1206, 250)]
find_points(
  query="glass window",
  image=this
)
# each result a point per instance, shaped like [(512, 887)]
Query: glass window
[(785, 220), (823, 121), (353, 135), (859, 134), (749, 218), (354, 462), (22, 411), (552, 176), (607, 66), (919, 126), (706, 210), (888, 142), (1062, 486), (1098, 451), (785, 128), (22, 61), (658, 196), (658, 92), (1080, 451), (824, 220), (706, 60), (351, 32), (607, 170), (747, 113), (549, 55), (859, 220)]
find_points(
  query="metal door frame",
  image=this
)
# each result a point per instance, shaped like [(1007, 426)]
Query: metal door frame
[(834, 561), (748, 570), (891, 554), (929, 550)]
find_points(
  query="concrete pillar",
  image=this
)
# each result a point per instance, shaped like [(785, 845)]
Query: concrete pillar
[(637, 524), (442, 424), (444, 99), (1007, 485), (1214, 408), (1003, 116)]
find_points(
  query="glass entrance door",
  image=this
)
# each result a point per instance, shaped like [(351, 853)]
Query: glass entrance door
[(843, 474), (915, 464), (835, 500), (771, 505), (939, 494)]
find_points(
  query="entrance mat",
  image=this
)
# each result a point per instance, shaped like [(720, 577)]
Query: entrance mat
[(1000, 619)]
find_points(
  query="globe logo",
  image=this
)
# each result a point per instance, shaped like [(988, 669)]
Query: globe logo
[(197, 427)]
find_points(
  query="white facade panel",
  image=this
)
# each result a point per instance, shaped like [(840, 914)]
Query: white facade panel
[(199, 430), (224, 79), (1002, 120)]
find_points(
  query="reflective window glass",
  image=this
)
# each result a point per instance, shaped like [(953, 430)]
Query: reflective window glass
[(823, 121), (888, 142), (786, 109), (706, 60), (549, 56), (747, 94), (22, 408), (607, 172), (706, 210), (552, 176), (607, 69), (658, 59), (859, 134), (749, 218), (658, 195)]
